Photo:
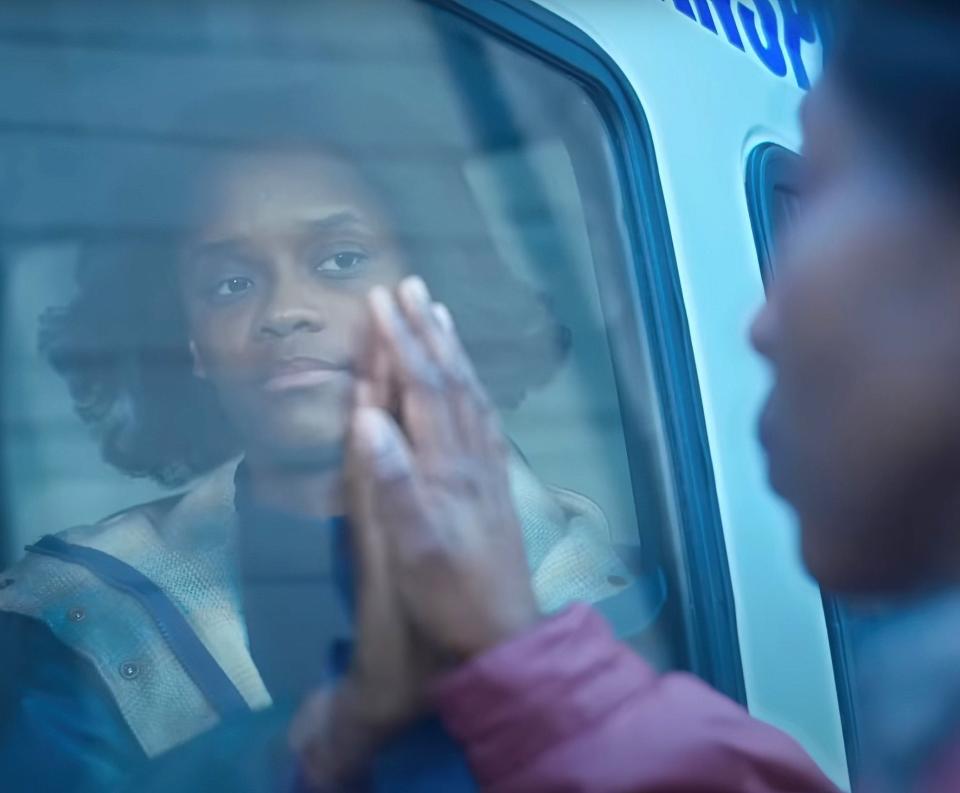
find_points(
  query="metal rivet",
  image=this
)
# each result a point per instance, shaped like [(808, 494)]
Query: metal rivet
[(616, 580), (129, 670), (77, 615)]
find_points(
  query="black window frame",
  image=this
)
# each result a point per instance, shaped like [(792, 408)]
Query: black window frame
[(715, 650), (771, 172)]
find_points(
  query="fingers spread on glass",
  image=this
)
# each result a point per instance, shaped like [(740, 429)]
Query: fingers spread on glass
[(423, 410), (465, 400)]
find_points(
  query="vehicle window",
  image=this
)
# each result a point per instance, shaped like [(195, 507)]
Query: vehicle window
[(179, 178), (773, 197)]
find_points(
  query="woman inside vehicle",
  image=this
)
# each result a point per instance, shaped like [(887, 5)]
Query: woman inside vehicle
[(235, 334)]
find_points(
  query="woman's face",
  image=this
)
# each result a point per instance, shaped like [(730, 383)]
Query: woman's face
[(862, 331), (273, 283)]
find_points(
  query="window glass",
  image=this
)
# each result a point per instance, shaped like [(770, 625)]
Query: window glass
[(773, 197), (163, 162)]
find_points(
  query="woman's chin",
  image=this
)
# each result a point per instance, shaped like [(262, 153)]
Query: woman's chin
[(305, 442)]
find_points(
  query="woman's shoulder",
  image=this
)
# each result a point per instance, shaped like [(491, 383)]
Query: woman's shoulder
[(41, 581), (52, 584), (44, 575), (59, 572), (186, 521), (100, 588), (96, 624)]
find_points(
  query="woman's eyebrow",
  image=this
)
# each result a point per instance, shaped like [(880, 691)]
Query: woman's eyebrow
[(334, 222), (215, 250)]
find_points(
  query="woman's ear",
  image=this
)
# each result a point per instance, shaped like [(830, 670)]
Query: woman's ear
[(198, 370)]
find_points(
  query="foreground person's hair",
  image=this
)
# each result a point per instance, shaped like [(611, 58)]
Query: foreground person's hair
[(900, 65)]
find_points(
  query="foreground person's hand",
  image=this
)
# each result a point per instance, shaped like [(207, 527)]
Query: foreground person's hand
[(437, 482)]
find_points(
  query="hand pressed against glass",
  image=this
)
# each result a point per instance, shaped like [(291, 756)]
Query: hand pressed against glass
[(442, 574), (433, 480)]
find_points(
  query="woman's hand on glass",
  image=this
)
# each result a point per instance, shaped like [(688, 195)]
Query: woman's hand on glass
[(430, 473)]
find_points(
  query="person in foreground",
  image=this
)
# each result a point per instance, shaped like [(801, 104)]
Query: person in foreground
[(862, 332)]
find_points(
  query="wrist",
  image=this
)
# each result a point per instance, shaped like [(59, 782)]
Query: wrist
[(481, 637), (331, 737), (517, 621)]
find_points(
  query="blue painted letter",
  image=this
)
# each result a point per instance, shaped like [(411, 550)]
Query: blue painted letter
[(706, 18), (798, 27), (703, 14), (729, 24), (770, 51), (684, 7)]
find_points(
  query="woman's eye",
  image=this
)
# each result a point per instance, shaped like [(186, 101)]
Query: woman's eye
[(343, 263), (230, 287)]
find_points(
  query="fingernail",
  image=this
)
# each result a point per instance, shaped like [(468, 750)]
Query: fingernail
[(415, 290), (442, 313), (369, 428), (381, 304)]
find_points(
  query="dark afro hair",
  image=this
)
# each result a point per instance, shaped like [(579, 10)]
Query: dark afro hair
[(121, 344)]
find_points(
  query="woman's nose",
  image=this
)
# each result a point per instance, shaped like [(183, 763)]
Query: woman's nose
[(291, 310), (284, 323)]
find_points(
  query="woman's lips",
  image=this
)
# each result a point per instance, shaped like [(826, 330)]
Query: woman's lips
[(299, 373)]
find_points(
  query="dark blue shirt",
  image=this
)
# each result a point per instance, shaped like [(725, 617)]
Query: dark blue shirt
[(298, 594)]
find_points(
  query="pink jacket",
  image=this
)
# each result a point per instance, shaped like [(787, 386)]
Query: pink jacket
[(946, 774), (568, 708)]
